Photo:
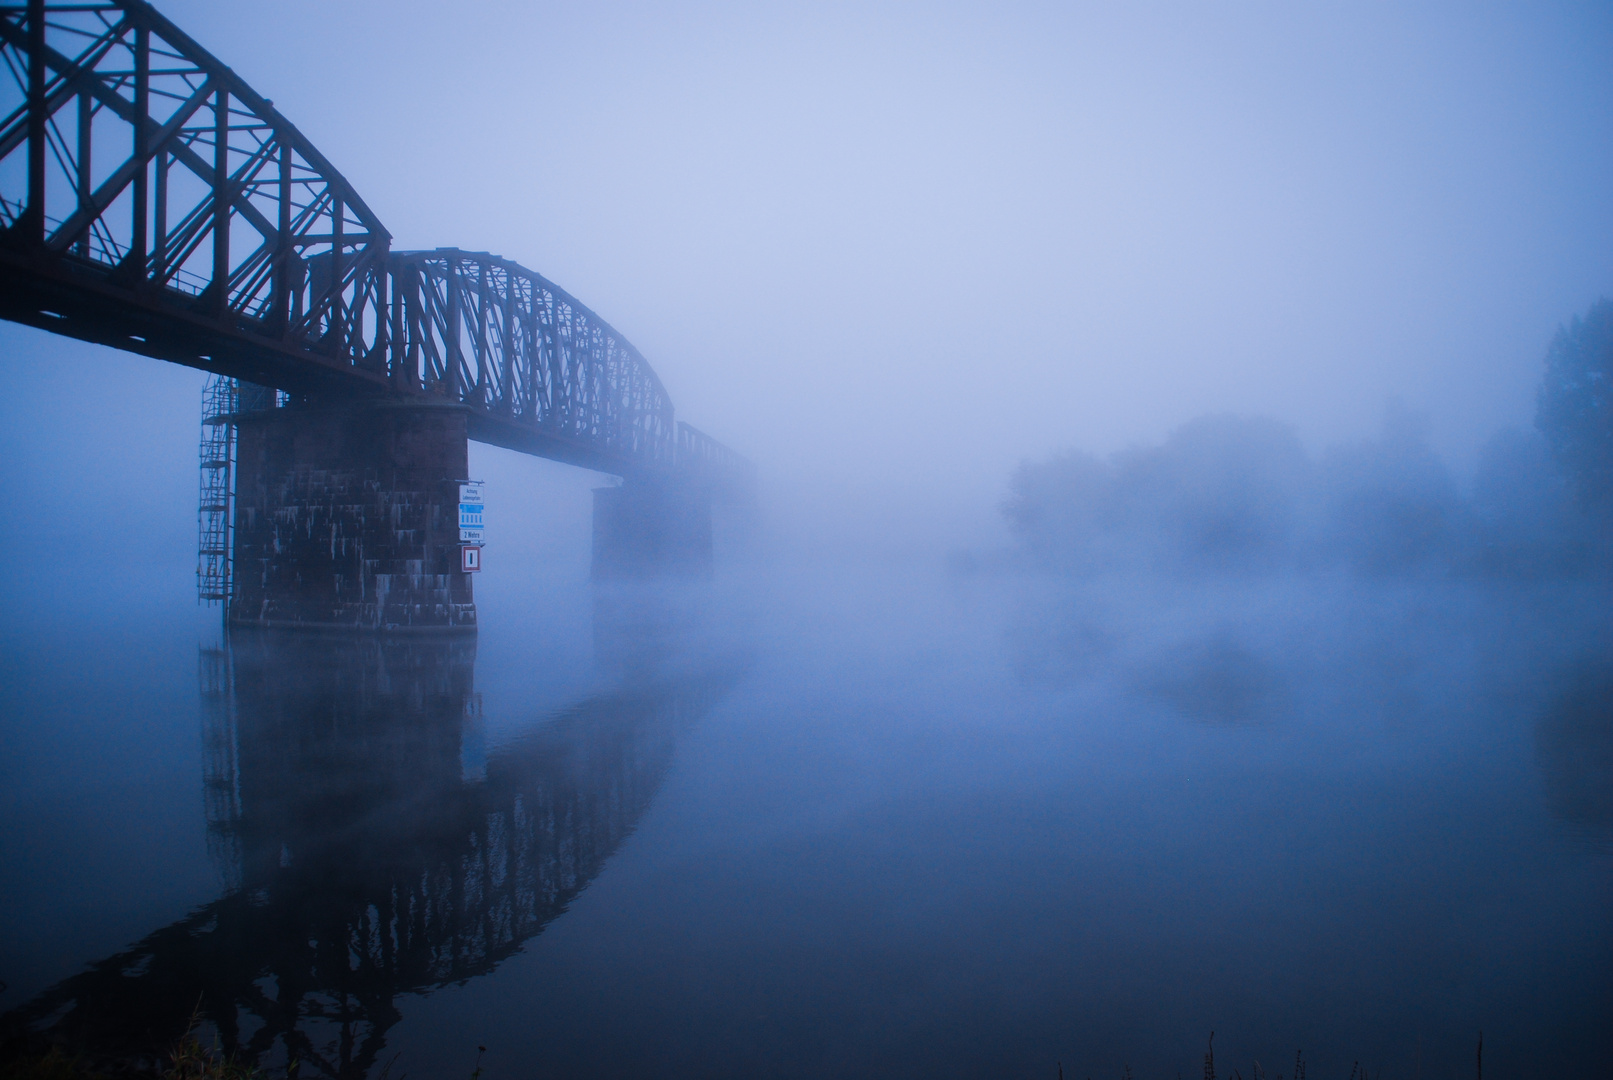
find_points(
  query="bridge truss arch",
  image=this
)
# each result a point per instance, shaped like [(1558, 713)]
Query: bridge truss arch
[(152, 201)]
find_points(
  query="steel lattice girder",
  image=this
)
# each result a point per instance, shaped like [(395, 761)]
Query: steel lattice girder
[(152, 201), (167, 208), (541, 372)]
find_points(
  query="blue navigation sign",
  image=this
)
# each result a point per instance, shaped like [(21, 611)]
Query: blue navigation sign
[(471, 528)]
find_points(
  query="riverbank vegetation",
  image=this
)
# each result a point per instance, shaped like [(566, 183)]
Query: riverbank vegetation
[(1241, 494)]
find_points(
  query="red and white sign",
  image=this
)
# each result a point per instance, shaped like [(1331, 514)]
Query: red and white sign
[(470, 559)]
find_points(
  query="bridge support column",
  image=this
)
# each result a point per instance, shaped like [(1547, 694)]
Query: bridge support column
[(646, 529), (347, 517)]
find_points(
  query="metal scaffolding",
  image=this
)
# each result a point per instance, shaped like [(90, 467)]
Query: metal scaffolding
[(219, 399)]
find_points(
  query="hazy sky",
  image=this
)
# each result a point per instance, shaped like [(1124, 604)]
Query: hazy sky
[(908, 245)]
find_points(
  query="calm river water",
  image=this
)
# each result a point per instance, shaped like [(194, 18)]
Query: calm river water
[(870, 823)]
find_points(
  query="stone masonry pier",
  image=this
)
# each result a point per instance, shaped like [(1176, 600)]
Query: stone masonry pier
[(347, 517)]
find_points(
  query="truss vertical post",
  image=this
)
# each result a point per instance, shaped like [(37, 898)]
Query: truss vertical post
[(86, 116), (281, 286), (138, 240), (508, 343), (33, 224), (383, 324), (483, 302), (159, 225), (338, 322), (397, 346), (455, 348), (414, 316), (221, 202)]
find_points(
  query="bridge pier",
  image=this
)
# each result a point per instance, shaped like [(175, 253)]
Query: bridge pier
[(649, 528), (347, 516)]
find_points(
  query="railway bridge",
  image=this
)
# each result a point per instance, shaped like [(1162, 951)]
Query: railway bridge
[(152, 201)]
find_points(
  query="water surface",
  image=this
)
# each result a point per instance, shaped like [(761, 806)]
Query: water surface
[(891, 822)]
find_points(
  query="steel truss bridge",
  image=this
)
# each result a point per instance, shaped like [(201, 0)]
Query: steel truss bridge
[(152, 201)]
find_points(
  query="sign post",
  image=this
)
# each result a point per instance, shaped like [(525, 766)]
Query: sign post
[(472, 530)]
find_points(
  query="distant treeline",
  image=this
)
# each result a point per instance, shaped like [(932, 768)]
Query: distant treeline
[(1241, 494)]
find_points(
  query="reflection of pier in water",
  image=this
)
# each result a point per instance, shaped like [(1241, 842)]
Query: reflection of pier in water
[(373, 851)]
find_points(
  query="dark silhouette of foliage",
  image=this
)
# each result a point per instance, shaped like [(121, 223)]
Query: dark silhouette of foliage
[(1574, 408)]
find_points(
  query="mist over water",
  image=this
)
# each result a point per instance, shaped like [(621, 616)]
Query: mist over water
[(1178, 593), (892, 821)]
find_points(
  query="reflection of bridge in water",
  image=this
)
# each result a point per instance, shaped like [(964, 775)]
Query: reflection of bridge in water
[(373, 850)]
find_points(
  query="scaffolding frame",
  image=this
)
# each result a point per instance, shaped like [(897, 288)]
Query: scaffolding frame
[(215, 515)]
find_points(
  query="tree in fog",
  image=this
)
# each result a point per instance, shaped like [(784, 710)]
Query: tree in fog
[(1574, 410), (1060, 509), (1239, 494), (1391, 505), (1221, 493)]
